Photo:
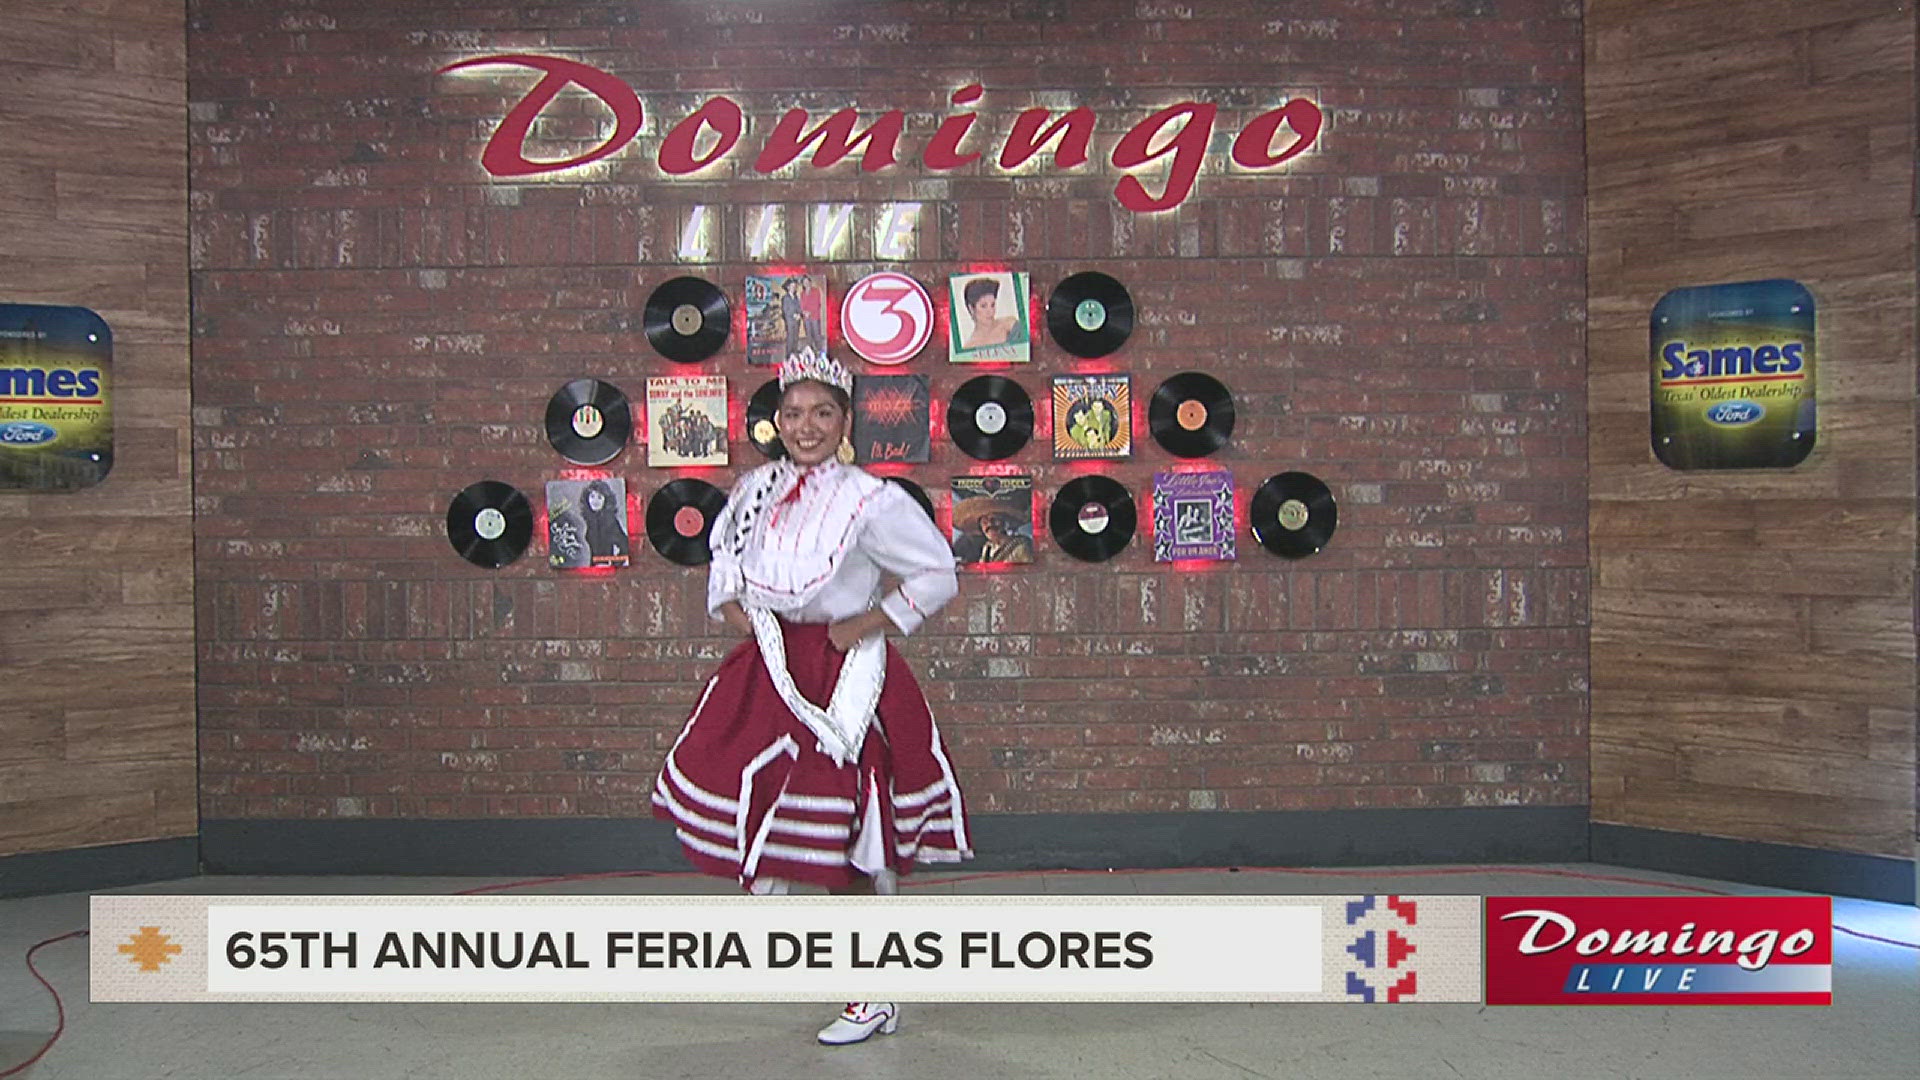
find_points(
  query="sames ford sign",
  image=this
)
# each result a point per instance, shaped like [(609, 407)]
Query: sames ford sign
[(1176, 135)]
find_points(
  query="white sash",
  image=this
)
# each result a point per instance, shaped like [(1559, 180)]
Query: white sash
[(841, 727)]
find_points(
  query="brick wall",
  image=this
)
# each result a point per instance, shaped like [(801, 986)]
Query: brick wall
[(377, 324)]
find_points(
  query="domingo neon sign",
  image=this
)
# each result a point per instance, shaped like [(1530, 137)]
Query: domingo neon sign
[(1177, 134)]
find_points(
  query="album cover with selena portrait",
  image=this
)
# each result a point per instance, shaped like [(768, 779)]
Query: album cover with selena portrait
[(686, 420), (890, 418), (989, 318), (587, 523)]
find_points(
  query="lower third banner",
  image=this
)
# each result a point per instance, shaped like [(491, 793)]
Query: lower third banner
[(1370, 949)]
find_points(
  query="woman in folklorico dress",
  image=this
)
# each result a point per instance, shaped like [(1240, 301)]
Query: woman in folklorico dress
[(812, 756)]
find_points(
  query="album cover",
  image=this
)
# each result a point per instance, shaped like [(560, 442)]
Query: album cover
[(993, 519), (587, 523), (786, 314), (1092, 416), (1193, 516), (687, 420), (890, 418), (989, 318)]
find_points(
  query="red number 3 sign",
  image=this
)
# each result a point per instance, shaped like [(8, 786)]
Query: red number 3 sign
[(886, 317)]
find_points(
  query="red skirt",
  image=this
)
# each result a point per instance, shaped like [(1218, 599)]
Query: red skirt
[(752, 796)]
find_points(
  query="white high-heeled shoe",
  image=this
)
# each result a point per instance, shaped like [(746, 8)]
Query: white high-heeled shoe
[(859, 1020)]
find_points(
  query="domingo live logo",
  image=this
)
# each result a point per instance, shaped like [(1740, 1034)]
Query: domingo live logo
[(1664, 950), (1178, 137)]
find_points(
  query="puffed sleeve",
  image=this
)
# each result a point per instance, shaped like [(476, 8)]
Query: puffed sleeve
[(900, 537), (724, 580)]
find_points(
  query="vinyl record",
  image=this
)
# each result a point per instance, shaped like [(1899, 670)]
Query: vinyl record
[(760, 427), (589, 421), (1293, 514), (919, 494), (680, 518), (990, 417), (1090, 314), (1092, 518), (1191, 415), (490, 523), (687, 319)]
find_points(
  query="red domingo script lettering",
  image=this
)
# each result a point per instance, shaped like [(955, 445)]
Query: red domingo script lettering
[(505, 154), (1174, 139)]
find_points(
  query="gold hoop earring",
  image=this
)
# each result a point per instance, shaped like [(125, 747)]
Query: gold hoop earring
[(845, 453)]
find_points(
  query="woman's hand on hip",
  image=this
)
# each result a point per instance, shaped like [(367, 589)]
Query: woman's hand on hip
[(847, 633), (736, 617)]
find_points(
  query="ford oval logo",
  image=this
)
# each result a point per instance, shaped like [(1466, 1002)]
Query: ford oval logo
[(25, 434), (1735, 413)]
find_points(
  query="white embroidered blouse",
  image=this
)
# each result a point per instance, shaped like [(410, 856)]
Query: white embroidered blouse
[(819, 555)]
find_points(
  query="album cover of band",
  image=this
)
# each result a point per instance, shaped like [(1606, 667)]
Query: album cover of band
[(687, 420), (992, 519), (891, 414), (1193, 516), (1092, 416), (587, 524), (989, 320), (786, 315)]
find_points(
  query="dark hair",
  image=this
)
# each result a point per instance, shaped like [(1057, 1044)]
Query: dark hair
[(979, 288), (839, 396), (610, 506)]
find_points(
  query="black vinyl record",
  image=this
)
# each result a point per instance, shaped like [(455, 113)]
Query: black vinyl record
[(680, 519), (1092, 518), (589, 421), (1191, 415), (761, 430), (919, 494), (1090, 314), (1293, 514), (688, 319), (990, 417), (490, 523)]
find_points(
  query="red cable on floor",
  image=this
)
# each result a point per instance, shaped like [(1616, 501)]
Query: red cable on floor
[(59, 1007), (1444, 871), (570, 877)]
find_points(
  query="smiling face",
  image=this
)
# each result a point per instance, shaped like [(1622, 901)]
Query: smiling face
[(812, 422), (595, 501)]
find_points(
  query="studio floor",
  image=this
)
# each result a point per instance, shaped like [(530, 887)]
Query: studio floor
[(1871, 1030)]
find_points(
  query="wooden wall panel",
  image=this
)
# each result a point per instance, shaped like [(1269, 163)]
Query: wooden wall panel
[(96, 617), (1753, 647)]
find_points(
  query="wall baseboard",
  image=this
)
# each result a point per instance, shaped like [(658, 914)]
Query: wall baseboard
[(1004, 842), (39, 873), (1753, 862), (497, 848)]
